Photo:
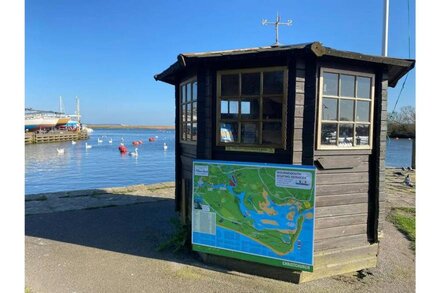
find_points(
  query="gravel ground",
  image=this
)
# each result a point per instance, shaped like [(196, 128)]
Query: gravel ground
[(113, 249)]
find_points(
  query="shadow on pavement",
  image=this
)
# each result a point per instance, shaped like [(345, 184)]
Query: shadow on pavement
[(136, 229)]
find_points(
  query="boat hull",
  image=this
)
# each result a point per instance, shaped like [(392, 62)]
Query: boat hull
[(33, 124)]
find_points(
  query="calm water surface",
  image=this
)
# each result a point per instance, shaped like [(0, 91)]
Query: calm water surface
[(103, 165)]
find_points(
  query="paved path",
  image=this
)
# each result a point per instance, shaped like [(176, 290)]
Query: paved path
[(113, 249)]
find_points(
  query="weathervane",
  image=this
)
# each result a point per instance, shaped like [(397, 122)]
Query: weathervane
[(276, 24)]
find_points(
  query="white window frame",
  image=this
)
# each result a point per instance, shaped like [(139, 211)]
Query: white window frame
[(339, 97)]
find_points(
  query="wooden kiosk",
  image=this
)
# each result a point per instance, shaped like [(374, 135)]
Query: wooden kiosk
[(300, 104)]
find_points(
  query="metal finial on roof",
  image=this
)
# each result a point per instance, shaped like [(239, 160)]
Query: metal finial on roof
[(276, 24)]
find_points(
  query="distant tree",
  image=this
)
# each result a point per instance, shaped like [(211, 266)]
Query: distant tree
[(402, 124)]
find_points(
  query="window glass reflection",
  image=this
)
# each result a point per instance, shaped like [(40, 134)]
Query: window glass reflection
[(347, 85), (329, 109), (364, 87), (330, 84), (362, 134), (345, 135), (228, 132), (249, 133), (346, 109), (329, 133)]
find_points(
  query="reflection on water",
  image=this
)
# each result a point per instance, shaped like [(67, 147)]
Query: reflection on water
[(102, 165)]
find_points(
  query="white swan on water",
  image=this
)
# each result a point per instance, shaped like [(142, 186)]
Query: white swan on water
[(73, 142), (60, 151), (165, 147), (110, 140), (99, 140), (88, 146), (135, 153)]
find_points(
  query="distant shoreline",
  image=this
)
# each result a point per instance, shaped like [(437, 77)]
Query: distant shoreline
[(124, 126)]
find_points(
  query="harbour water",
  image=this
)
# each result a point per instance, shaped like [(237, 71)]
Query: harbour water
[(103, 165)]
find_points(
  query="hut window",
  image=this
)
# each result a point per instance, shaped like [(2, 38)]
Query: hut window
[(251, 107), (345, 109), (188, 111)]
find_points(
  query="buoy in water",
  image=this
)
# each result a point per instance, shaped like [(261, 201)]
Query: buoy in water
[(122, 149)]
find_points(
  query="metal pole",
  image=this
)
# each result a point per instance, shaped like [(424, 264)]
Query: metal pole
[(385, 28)]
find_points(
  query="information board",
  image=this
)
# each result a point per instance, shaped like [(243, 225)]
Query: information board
[(255, 212)]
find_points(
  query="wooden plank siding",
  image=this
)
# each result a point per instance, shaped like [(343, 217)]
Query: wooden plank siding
[(300, 77)]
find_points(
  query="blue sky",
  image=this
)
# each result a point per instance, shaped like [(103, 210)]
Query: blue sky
[(106, 52)]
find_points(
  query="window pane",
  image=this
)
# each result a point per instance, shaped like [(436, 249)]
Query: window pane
[(329, 109), (330, 84), (194, 94), (224, 107), (194, 111), (250, 83), (188, 112), (182, 94), (229, 85), (272, 108), (188, 131), (273, 82), (328, 133), (188, 92), (362, 134), (183, 113), (363, 87), (184, 131), (347, 85), (272, 133), (249, 133), (229, 109), (228, 132), (346, 110), (345, 135), (250, 109), (363, 111), (194, 132)]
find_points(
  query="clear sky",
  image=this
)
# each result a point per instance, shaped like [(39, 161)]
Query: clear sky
[(106, 52)]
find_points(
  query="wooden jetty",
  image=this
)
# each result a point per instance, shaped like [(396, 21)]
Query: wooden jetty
[(33, 137)]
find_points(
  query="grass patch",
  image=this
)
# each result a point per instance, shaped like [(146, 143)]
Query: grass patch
[(405, 221), (178, 241)]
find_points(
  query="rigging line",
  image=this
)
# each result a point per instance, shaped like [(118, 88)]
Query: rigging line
[(409, 56)]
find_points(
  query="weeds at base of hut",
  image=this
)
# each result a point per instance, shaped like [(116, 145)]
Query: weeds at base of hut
[(178, 240)]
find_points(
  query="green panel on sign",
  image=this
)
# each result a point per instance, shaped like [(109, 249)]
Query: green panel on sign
[(255, 212)]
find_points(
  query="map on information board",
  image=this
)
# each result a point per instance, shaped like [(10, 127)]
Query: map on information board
[(255, 212)]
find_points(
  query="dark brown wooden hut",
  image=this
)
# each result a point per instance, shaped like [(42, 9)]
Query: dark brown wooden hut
[(303, 104)]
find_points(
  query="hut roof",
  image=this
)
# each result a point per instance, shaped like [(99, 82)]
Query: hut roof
[(397, 67)]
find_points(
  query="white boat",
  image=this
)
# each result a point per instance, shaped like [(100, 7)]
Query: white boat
[(36, 122)]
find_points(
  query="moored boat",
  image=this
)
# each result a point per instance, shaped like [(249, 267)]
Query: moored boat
[(33, 123)]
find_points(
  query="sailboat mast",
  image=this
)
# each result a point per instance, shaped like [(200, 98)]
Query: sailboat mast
[(77, 109)]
